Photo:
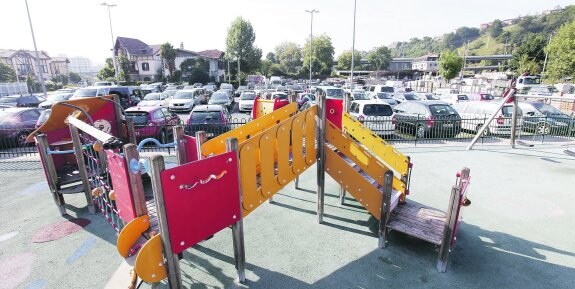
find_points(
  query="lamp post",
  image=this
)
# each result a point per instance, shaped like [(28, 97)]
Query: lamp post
[(546, 56), (311, 12), (40, 69), (112, 34), (347, 100)]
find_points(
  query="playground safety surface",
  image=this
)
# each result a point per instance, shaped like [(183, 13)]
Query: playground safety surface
[(517, 233)]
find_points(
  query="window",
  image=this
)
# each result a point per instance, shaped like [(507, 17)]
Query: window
[(31, 115), (145, 66), (166, 112), (158, 114)]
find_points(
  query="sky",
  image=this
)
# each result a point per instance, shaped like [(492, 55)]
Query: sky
[(81, 27)]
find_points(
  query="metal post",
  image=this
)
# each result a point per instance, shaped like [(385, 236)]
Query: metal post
[(131, 156), (546, 55), (385, 208), (112, 35), (347, 100), (238, 227), (311, 12), (78, 150), (50, 170), (40, 71), (510, 94), (201, 138), (157, 166), (180, 141), (296, 182), (514, 115), (320, 140)]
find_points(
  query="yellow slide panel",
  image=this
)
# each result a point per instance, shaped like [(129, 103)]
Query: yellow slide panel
[(263, 107), (131, 233), (354, 183), (217, 145), (379, 147), (150, 261)]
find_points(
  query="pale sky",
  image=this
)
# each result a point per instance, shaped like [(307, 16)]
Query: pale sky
[(81, 27)]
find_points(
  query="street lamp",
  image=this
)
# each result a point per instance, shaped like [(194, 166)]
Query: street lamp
[(311, 12), (112, 34), (40, 69), (346, 105)]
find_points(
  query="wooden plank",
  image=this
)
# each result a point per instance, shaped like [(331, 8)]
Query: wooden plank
[(414, 232), (418, 221)]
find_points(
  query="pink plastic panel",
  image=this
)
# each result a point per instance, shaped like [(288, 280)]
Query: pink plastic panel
[(459, 208), (201, 198), (191, 148), (334, 111), (121, 184)]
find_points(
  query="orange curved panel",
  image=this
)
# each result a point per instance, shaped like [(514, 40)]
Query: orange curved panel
[(131, 233), (150, 261)]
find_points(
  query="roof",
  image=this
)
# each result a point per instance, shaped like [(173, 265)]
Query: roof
[(8, 53), (134, 46), (212, 53)]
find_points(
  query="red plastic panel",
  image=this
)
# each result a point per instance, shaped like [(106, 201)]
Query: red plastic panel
[(191, 149), (334, 111), (121, 184), (201, 198)]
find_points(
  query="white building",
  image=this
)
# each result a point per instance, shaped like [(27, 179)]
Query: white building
[(24, 63), (84, 67), (427, 64)]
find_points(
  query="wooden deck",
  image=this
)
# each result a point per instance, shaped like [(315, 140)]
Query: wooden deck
[(153, 213), (418, 221)]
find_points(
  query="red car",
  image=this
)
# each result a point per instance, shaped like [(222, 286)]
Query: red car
[(153, 122)]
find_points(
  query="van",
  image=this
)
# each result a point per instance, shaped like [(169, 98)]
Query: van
[(475, 113)]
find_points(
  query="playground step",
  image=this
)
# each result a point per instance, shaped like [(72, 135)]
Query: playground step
[(79, 188), (418, 221), (68, 175)]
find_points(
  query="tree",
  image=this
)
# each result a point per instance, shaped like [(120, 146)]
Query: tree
[(289, 56), (265, 67), (75, 77), (197, 70), (125, 66), (7, 74), (533, 47), (450, 64), (379, 58), (30, 83), (168, 54), (271, 57), (496, 28), (322, 60), (240, 45), (562, 52), (107, 71), (527, 64), (344, 60)]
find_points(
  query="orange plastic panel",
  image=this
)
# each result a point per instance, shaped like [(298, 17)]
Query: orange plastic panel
[(150, 261), (285, 174), (269, 185), (248, 174), (310, 149), (263, 107), (354, 183), (131, 233)]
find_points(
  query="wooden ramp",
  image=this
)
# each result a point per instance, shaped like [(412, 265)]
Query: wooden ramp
[(418, 221)]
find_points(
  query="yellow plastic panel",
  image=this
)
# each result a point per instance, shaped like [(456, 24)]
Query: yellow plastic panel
[(269, 185), (386, 152), (248, 174), (263, 107), (354, 183), (360, 156), (311, 151), (150, 261), (131, 233), (217, 145), (297, 134), (285, 174)]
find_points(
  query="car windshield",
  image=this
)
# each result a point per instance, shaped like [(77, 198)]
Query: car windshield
[(242, 87), (546, 109), (152, 96), (507, 110), (387, 89), (58, 97), (334, 93), (184, 95), (532, 80), (139, 117), (360, 96), (431, 97), (462, 97), (86, 92), (219, 96), (383, 95), (297, 87), (248, 96), (170, 92), (377, 110), (487, 97), (411, 96), (441, 109), (198, 116)]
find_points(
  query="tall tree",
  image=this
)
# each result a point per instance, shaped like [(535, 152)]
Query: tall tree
[(322, 56), (75, 77), (289, 57), (533, 48), (379, 57), (7, 74), (562, 53), (527, 64), (344, 60), (450, 64), (125, 66), (168, 54), (271, 57), (496, 28), (240, 44), (107, 71)]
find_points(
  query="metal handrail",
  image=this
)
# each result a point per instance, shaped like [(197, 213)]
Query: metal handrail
[(156, 142)]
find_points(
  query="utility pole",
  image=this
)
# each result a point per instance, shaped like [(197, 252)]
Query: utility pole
[(347, 100), (112, 34), (40, 69), (311, 12), (546, 55)]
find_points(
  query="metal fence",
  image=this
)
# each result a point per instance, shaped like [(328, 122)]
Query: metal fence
[(13, 142)]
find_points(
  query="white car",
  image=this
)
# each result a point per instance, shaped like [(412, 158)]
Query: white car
[(385, 98), (155, 99), (183, 100), (475, 113), (377, 116), (246, 102), (405, 96), (454, 98)]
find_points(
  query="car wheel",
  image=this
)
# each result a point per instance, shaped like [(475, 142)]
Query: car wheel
[(485, 133), (20, 139), (420, 132), (543, 128), (163, 137)]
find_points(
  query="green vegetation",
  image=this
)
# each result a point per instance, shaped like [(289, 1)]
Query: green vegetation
[(240, 45), (450, 64), (107, 71), (168, 54), (322, 59), (7, 74), (562, 53)]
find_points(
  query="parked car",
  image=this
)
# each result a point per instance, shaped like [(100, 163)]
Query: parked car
[(481, 97), (542, 118), (540, 91), (359, 95), (54, 98), (282, 97), (170, 92), (44, 115), (246, 102), (305, 100), (155, 99), (213, 119), (475, 113), (330, 91), (239, 91), (426, 96), (377, 116), (374, 89), (22, 100), (129, 96), (221, 98), (210, 88), (405, 96), (16, 123), (427, 118), (295, 89), (384, 97), (153, 122), (454, 98), (197, 85), (185, 100), (104, 83)]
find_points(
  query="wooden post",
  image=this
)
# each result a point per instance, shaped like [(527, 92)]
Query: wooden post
[(448, 230), (201, 138), (131, 130), (132, 157), (119, 115), (157, 166), (51, 173), (385, 208), (79, 152), (238, 227), (180, 141)]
